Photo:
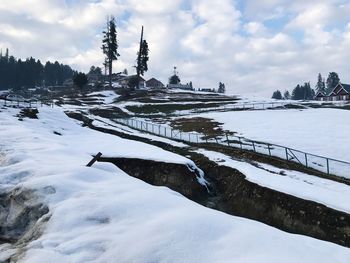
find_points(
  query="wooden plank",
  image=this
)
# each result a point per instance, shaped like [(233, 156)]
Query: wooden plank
[(96, 157)]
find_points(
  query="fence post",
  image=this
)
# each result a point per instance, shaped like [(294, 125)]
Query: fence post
[(96, 157), (189, 137), (240, 142), (146, 126), (286, 154), (228, 142), (159, 129), (306, 159), (254, 146), (327, 165), (268, 146), (171, 133)]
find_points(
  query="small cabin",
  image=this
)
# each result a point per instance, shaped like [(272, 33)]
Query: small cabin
[(128, 80), (340, 92), (154, 84)]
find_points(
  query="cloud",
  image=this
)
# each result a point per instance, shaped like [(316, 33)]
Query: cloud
[(255, 28), (254, 47)]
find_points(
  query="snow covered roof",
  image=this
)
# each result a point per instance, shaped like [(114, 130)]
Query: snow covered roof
[(346, 87), (320, 94)]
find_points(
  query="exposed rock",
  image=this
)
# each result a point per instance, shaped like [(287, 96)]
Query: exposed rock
[(28, 113), (19, 212), (177, 177)]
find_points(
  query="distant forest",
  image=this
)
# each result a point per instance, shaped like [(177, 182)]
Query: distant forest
[(17, 73), (305, 92)]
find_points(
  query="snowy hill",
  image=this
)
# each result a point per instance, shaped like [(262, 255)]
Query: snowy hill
[(100, 214)]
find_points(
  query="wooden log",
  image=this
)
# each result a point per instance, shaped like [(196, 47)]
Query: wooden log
[(96, 157)]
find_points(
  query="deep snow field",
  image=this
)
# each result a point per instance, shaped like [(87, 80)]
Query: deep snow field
[(100, 214), (324, 132)]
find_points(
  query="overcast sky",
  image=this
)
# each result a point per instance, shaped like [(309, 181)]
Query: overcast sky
[(253, 46)]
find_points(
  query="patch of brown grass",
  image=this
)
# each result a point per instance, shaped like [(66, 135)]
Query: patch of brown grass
[(206, 126)]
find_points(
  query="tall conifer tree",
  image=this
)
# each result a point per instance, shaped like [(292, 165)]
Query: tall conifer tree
[(320, 85), (142, 58), (110, 46)]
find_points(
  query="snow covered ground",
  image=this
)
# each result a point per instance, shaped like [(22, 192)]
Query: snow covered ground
[(323, 191), (108, 124), (100, 214), (319, 131), (108, 96)]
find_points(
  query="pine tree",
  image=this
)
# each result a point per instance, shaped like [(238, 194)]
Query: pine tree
[(303, 92), (142, 58), (7, 54), (191, 85), (332, 81), (277, 95), (297, 93), (320, 86), (30, 73), (174, 79), (286, 95), (110, 46), (222, 88), (80, 80)]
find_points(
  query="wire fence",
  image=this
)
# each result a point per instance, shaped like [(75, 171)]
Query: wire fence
[(323, 164), (248, 106), (272, 105), (26, 103)]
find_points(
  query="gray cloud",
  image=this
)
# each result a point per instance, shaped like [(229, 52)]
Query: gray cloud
[(209, 41)]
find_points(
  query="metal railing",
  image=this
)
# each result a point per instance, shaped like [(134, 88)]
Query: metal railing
[(25, 103), (271, 105), (248, 106), (321, 163)]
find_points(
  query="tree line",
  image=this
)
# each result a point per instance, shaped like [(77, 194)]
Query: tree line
[(17, 73), (305, 92)]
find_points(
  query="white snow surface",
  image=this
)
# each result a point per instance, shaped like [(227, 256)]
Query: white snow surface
[(308, 187), (323, 131), (109, 124), (100, 214), (108, 96)]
